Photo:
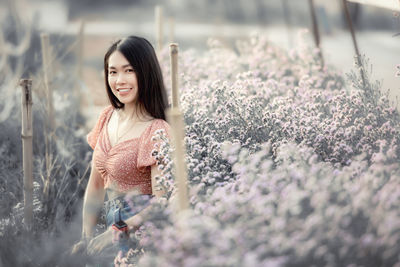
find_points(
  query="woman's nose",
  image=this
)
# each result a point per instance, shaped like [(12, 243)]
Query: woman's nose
[(121, 79)]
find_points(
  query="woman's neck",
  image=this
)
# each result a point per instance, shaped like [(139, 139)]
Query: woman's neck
[(132, 112)]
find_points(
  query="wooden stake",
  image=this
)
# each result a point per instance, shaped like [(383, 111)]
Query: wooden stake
[(27, 153), (316, 30), (173, 49), (353, 37), (159, 28), (47, 74), (175, 119), (286, 15), (50, 124)]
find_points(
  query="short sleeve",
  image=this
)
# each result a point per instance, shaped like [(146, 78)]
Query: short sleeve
[(93, 135), (148, 144)]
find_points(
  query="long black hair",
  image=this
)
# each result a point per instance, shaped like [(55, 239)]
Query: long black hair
[(152, 96)]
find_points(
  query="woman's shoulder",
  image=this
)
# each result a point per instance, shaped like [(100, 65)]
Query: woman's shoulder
[(95, 132), (106, 111), (160, 124)]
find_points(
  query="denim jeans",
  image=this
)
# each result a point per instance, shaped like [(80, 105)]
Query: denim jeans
[(128, 207)]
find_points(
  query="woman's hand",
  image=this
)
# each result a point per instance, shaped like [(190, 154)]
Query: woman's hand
[(135, 222), (100, 242), (79, 248)]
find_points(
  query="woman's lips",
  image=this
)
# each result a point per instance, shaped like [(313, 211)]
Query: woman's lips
[(124, 91)]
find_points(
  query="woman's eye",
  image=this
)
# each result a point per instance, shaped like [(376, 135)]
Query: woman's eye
[(130, 70), (111, 72)]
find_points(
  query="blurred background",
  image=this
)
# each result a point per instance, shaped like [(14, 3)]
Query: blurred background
[(190, 23)]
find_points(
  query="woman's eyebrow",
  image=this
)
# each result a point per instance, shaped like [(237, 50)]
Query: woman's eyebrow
[(124, 66)]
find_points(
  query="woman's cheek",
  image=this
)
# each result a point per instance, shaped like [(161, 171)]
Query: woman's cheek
[(111, 83)]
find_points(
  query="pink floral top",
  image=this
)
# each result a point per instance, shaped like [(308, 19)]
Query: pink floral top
[(127, 165)]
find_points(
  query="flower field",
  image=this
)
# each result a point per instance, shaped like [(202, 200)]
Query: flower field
[(289, 164)]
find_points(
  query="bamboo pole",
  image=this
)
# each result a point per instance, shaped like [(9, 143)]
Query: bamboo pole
[(286, 15), (159, 28), (50, 124), (175, 119), (316, 30), (47, 78), (173, 49), (171, 33), (27, 153), (353, 37)]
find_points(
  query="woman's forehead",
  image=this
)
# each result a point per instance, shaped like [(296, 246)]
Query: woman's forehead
[(117, 59)]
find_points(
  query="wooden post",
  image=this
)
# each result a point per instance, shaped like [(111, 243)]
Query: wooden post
[(171, 34), (286, 15), (316, 30), (353, 37), (47, 78), (173, 49), (50, 124), (27, 153), (159, 28), (175, 119)]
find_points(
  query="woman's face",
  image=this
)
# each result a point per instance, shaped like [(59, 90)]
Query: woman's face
[(122, 78)]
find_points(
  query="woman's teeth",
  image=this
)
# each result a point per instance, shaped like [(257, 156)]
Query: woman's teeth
[(123, 90)]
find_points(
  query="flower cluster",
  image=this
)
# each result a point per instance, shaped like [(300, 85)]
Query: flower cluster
[(288, 210)]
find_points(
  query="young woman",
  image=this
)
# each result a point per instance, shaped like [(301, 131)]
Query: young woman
[(122, 140)]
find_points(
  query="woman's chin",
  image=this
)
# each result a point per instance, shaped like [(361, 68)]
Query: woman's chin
[(126, 101)]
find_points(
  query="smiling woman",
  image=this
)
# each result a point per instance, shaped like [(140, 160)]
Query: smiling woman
[(122, 141)]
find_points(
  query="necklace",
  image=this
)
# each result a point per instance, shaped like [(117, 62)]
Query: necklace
[(123, 134)]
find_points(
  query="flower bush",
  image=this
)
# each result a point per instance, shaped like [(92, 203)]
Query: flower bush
[(288, 165), (290, 210)]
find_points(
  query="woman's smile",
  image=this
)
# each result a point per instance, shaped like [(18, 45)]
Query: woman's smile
[(124, 91)]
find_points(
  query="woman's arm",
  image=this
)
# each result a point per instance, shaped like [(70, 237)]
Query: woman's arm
[(156, 172), (98, 243), (92, 203), (136, 220)]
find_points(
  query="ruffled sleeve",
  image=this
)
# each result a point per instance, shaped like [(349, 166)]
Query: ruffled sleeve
[(95, 132), (148, 144)]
